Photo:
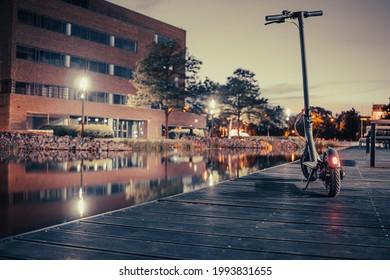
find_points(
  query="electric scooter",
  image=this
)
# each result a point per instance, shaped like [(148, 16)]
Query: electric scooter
[(326, 167)]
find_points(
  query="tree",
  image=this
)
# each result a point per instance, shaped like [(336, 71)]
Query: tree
[(241, 96), (386, 112), (200, 93), (161, 77), (348, 125), (273, 120), (324, 125)]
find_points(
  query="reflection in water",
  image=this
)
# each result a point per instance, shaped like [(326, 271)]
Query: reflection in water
[(44, 193)]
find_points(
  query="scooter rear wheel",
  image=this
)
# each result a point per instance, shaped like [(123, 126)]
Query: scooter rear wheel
[(332, 183)]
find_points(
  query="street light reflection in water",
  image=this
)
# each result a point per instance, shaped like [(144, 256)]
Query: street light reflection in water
[(44, 192)]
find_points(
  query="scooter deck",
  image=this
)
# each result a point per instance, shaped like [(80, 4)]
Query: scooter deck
[(311, 164)]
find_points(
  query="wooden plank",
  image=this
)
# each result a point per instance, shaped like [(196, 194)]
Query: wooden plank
[(162, 250), (23, 249), (264, 215), (292, 248)]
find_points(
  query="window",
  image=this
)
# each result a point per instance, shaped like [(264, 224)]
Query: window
[(80, 31), (78, 63), (101, 97), (27, 18), (99, 37), (25, 53), (160, 39), (125, 44), (20, 88), (91, 35), (52, 24), (37, 55), (52, 58), (86, 64), (41, 21), (124, 72), (119, 99), (99, 67), (80, 3)]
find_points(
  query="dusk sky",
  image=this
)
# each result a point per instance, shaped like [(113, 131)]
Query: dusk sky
[(347, 48)]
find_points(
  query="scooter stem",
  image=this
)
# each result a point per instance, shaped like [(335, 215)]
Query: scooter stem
[(308, 121)]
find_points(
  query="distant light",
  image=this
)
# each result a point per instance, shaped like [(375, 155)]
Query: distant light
[(213, 104), (84, 83)]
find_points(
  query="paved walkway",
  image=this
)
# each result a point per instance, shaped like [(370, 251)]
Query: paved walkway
[(264, 215)]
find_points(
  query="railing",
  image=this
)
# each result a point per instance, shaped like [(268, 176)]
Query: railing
[(373, 138)]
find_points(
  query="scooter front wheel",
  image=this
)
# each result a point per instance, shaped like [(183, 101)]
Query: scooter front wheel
[(333, 182)]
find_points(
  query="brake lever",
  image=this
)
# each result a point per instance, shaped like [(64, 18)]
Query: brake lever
[(275, 21)]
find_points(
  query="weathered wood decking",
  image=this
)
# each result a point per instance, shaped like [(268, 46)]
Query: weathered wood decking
[(261, 216)]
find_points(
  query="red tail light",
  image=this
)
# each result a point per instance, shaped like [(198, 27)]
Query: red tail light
[(334, 161)]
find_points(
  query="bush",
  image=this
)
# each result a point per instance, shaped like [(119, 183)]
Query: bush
[(97, 131), (62, 130), (90, 130)]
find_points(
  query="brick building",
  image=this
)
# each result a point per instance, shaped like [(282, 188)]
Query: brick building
[(46, 47)]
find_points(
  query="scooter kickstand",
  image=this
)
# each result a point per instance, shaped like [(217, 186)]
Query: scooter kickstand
[(309, 179)]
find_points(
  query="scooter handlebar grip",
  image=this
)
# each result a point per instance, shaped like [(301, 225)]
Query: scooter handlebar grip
[(313, 14), (274, 17)]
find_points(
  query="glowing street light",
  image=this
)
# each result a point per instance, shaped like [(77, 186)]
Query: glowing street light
[(84, 84), (83, 87), (213, 106)]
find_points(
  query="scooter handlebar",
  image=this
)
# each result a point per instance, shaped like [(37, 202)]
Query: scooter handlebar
[(287, 14), (275, 17), (313, 14)]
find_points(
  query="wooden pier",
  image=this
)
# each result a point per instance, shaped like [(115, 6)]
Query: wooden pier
[(264, 215)]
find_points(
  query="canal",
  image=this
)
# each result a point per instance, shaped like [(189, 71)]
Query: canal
[(42, 191)]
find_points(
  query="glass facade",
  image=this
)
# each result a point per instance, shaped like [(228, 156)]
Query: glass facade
[(125, 44), (82, 32), (54, 91), (90, 35), (40, 21), (128, 129), (38, 55), (58, 59), (124, 72)]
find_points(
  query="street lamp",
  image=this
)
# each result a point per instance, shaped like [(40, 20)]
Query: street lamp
[(83, 88), (212, 106)]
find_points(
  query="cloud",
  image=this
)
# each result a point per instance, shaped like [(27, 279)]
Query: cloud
[(282, 88), (283, 92)]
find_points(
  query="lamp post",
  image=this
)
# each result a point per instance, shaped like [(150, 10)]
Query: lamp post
[(212, 105), (83, 87)]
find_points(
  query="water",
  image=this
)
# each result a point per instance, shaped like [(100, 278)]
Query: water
[(38, 192)]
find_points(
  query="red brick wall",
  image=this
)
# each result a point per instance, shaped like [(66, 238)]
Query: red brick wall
[(6, 37), (4, 111), (20, 105), (40, 38), (134, 26)]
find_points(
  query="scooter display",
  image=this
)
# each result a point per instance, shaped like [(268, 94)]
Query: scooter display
[(326, 167)]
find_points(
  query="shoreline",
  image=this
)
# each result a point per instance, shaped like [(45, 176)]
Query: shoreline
[(14, 144)]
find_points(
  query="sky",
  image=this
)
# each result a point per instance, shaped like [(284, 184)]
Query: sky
[(347, 49)]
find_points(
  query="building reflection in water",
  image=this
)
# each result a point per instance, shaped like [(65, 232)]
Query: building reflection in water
[(37, 194)]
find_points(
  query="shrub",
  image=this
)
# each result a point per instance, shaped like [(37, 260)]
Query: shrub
[(97, 131), (90, 130), (62, 130)]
